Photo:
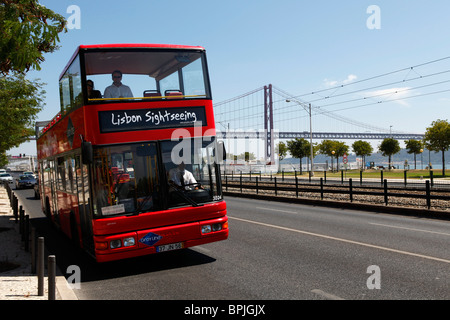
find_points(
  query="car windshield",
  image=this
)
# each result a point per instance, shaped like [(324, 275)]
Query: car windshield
[(26, 177), (5, 175)]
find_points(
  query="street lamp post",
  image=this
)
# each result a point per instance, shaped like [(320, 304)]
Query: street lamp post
[(311, 173)]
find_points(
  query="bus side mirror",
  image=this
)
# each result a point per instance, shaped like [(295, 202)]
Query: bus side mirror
[(87, 153), (224, 151), (221, 151)]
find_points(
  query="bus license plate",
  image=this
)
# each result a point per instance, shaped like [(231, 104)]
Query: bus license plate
[(170, 247)]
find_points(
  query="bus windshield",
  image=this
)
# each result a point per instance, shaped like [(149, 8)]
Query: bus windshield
[(135, 178), (145, 75)]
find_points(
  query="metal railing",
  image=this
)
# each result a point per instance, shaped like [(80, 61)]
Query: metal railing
[(363, 178), (385, 192)]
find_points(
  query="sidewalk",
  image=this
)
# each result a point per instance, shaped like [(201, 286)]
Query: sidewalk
[(18, 283)]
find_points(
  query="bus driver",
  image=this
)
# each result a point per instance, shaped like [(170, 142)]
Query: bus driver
[(182, 177), (117, 89)]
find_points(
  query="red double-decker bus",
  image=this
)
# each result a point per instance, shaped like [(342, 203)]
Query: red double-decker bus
[(130, 166)]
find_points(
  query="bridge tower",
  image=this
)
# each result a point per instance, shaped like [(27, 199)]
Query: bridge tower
[(268, 125)]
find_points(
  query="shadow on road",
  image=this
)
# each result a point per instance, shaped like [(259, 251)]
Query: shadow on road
[(67, 254)]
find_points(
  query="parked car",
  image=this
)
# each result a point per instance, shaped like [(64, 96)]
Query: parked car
[(6, 177), (25, 181), (29, 173)]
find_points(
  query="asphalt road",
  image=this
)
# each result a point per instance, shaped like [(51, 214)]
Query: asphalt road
[(276, 251)]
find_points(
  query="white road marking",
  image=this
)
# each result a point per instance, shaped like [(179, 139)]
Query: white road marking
[(277, 210), (412, 229), (343, 240)]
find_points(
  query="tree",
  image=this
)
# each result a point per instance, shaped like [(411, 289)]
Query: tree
[(333, 148), (437, 138), (3, 159), (20, 102), (326, 147), (362, 149), (415, 147), (299, 148), (389, 147), (28, 30), (282, 150)]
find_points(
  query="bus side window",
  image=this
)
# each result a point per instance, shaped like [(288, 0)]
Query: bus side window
[(61, 174)]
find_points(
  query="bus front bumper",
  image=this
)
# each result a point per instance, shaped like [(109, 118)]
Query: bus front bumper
[(156, 240)]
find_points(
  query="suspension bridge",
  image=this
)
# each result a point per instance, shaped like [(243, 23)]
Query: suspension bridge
[(269, 113)]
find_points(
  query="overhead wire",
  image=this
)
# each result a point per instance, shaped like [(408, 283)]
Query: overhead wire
[(374, 77)]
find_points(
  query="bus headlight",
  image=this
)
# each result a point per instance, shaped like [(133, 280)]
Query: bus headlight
[(129, 242), (115, 244), (211, 228), (206, 229)]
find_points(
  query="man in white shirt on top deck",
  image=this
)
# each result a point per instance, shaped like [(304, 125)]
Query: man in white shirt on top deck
[(117, 89)]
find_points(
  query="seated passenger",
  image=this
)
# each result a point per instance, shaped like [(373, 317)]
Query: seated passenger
[(92, 94), (117, 89)]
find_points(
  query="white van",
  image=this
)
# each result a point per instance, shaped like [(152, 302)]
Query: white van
[(2, 171)]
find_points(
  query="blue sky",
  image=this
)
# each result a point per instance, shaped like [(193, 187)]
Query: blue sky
[(298, 46)]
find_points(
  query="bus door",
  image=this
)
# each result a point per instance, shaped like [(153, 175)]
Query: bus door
[(82, 185), (51, 204)]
